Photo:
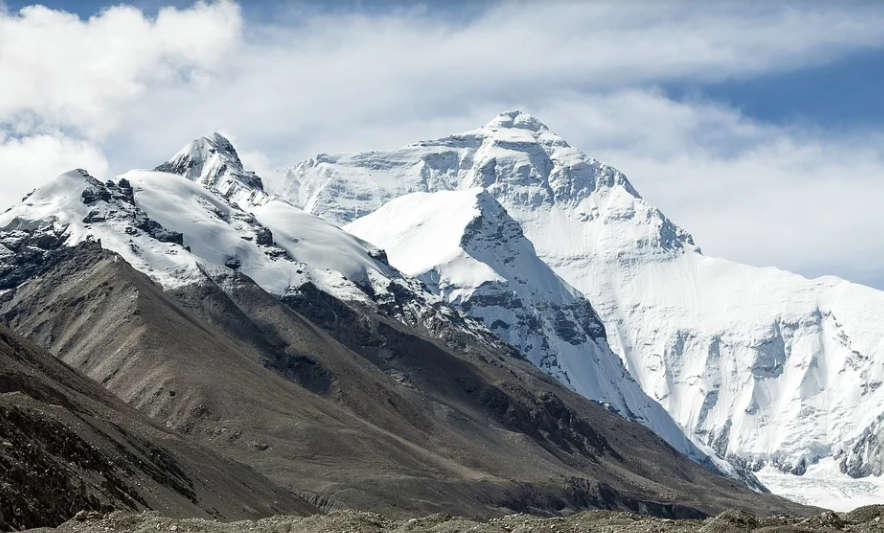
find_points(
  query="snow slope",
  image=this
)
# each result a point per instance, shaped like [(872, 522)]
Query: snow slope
[(75, 207), (207, 232), (277, 245), (825, 485), (465, 247), (761, 364)]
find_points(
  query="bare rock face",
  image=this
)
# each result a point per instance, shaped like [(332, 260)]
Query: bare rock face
[(864, 455)]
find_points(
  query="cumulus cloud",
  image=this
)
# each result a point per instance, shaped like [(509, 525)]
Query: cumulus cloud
[(131, 89), (749, 191), (25, 159), (81, 73)]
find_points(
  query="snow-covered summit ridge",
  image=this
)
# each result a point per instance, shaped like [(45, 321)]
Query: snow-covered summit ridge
[(172, 229), (518, 159), (213, 162), (75, 207)]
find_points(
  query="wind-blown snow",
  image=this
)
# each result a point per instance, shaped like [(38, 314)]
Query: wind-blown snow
[(759, 363)]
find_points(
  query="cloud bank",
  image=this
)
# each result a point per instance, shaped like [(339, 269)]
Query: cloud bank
[(121, 90)]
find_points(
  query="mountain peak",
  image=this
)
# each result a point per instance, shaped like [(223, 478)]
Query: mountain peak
[(78, 173), (214, 163), (220, 139), (516, 119), (517, 128), (221, 145), (465, 247), (189, 161)]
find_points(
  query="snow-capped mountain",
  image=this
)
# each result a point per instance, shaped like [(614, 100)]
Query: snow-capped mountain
[(466, 248), (178, 229), (248, 365), (761, 364)]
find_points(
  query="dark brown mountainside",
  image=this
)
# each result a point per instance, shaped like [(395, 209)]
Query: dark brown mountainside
[(67, 445), (350, 408)]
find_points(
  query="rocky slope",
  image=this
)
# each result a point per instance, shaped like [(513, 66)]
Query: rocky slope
[(763, 365), (867, 519), (364, 412), (68, 445)]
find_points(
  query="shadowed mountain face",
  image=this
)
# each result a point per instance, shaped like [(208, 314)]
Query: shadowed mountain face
[(67, 445), (344, 405)]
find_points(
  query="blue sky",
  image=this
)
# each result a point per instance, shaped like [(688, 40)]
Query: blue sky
[(281, 10), (756, 126), (841, 94)]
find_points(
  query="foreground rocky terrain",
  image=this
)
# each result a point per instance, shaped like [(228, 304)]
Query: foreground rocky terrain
[(863, 519), (66, 444)]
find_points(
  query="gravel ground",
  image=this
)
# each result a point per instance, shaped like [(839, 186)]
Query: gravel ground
[(861, 520)]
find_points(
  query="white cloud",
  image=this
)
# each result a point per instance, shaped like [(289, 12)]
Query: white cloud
[(749, 191), (81, 74), (27, 162), (137, 88)]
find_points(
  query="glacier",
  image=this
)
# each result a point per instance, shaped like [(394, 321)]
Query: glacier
[(766, 367)]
